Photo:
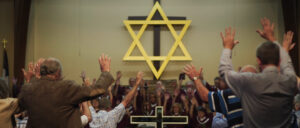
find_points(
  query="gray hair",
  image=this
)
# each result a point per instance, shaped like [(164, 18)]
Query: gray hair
[(50, 67), (248, 67)]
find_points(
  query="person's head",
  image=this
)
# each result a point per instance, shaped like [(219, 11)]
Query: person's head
[(159, 84), (104, 104), (297, 106), (152, 98), (201, 112), (249, 68), (222, 85), (189, 87), (131, 81), (127, 90), (297, 102), (4, 91), (176, 108), (95, 103), (51, 68), (217, 81), (268, 54), (146, 106)]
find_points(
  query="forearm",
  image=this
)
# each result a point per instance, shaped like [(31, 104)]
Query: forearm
[(225, 62), (159, 101), (86, 110), (203, 91), (129, 96), (165, 106), (100, 88), (192, 111), (134, 103), (286, 64)]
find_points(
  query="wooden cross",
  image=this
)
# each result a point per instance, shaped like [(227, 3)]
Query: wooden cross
[(4, 41), (156, 32), (159, 119)]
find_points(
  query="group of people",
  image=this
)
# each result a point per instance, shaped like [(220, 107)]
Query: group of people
[(250, 97)]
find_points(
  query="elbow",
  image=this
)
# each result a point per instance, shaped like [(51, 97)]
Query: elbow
[(204, 97)]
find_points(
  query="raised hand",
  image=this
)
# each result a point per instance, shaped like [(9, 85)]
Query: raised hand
[(176, 92), (268, 30), (287, 41), (119, 75), (139, 78), (167, 96), (194, 101), (87, 82), (37, 67), (228, 39), (104, 62), (30, 73), (83, 75), (191, 71)]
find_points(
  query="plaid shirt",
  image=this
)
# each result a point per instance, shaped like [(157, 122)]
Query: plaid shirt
[(104, 119)]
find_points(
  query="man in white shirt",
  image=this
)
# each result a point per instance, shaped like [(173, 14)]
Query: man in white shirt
[(107, 118)]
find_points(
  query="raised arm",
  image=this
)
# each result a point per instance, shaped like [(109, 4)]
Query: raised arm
[(78, 94), (86, 111), (130, 95), (228, 44), (193, 74), (286, 66)]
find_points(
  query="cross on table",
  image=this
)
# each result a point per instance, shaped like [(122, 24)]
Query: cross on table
[(159, 118), (156, 32), (4, 41)]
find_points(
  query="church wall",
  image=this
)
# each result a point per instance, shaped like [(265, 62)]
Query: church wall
[(78, 31)]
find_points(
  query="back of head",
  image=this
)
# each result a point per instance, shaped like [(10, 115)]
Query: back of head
[(268, 53), (4, 91), (104, 103), (51, 66)]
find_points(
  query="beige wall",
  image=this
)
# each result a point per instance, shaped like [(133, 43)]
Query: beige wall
[(78, 31), (7, 32)]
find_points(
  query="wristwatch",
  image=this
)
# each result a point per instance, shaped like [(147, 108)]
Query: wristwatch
[(195, 78)]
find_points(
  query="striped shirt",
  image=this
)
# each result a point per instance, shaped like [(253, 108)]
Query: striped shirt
[(227, 103)]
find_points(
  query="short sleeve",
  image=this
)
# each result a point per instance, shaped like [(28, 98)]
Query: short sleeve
[(84, 120), (117, 113)]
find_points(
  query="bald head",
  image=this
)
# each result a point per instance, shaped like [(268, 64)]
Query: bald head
[(249, 68)]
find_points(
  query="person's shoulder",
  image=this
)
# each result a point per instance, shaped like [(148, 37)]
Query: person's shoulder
[(67, 82)]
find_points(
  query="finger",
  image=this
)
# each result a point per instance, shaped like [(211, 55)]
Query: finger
[(260, 32), (23, 70), (222, 36), (236, 42), (262, 22), (267, 21), (272, 27), (109, 61), (201, 69), (292, 46), (233, 32)]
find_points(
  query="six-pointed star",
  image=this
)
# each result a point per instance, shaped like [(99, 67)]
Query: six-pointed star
[(145, 56)]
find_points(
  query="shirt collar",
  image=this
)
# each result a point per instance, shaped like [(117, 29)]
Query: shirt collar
[(270, 69)]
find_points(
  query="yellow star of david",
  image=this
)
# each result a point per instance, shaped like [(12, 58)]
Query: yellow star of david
[(145, 56)]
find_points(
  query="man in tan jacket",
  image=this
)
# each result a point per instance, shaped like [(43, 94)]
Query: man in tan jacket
[(8, 106), (53, 103)]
